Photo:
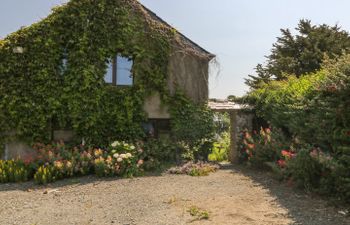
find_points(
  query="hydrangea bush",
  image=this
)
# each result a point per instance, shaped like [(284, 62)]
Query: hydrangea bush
[(305, 166)]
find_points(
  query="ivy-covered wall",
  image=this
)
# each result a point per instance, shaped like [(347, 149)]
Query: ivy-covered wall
[(39, 93)]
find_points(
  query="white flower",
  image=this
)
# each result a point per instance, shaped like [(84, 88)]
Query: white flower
[(132, 147), (116, 155), (115, 144), (119, 159), (128, 155), (123, 156)]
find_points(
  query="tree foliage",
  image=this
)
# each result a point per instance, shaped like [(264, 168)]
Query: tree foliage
[(313, 107), (302, 53)]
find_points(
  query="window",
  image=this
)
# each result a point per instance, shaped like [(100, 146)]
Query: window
[(119, 71), (64, 62)]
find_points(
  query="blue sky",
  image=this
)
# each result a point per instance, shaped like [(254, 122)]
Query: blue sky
[(239, 32)]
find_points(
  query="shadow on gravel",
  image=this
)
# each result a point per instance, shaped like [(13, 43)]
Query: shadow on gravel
[(74, 181), (303, 208)]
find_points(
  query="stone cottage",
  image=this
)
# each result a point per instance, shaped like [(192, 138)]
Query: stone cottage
[(95, 69)]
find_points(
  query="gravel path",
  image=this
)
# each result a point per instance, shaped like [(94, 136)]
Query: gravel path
[(233, 195)]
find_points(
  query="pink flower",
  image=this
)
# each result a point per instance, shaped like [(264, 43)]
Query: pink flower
[(140, 162), (314, 153), (281, 163), (287, 154)]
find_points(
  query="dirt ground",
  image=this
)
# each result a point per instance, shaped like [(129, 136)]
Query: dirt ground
[(233, 195)]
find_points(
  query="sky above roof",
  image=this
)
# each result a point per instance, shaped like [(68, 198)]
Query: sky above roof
[(239, 32)]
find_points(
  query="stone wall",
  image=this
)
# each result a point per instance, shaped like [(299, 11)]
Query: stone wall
[(244, 121), (17, 149)]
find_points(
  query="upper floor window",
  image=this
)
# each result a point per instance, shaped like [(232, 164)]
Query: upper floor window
[(119, 71), (64, 62)]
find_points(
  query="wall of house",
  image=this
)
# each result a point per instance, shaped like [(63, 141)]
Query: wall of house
[(154, 107), (186, 71), (189, 73)]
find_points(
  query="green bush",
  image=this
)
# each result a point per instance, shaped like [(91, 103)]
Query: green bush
[(314, 107), (158, 153), (192, 127), (305, 170), (220, 148), (314, 110)]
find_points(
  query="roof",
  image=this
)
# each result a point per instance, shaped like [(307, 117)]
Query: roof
[(184, 39), (225, 106)]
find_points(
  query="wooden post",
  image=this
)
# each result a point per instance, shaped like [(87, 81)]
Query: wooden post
[(233, 154)]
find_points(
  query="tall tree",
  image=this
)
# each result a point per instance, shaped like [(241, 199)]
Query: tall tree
[(301, 53)]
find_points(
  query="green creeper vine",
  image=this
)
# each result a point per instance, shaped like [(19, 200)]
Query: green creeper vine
[(38, 93)]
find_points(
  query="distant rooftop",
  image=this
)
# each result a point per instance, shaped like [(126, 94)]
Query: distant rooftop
[(221, 105)]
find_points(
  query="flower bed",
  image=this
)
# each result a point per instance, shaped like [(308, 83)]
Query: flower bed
[(195, 169), (54, 162)]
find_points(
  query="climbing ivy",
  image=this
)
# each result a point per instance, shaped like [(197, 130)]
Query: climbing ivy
[(52, 73)]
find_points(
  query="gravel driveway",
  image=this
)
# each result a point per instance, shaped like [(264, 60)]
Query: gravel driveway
[(233, 195)]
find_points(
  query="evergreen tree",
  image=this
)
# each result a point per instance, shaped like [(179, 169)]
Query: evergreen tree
[(301, 53)]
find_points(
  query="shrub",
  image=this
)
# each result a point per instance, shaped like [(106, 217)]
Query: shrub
[(157, 152), (121, 159), (313, 109), (259, 148), (305, 170), (192, 127), (220, 148)]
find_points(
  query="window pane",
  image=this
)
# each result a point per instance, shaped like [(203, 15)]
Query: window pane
[(109, 73), (124, 66), (64, 63)]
